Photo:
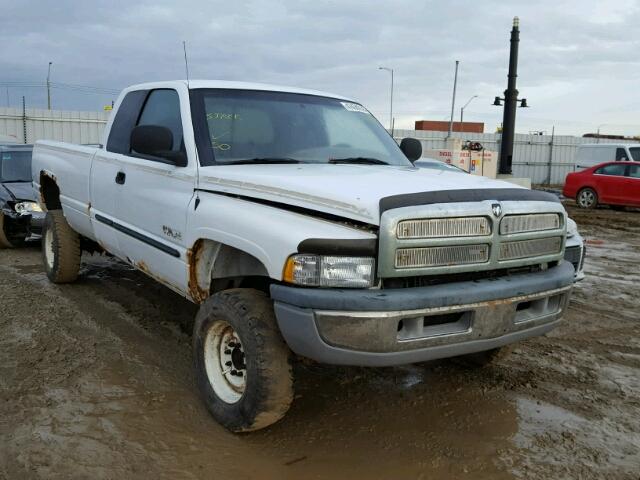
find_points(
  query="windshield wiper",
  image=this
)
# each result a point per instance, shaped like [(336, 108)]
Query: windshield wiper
[(359, 160), (259, 160)]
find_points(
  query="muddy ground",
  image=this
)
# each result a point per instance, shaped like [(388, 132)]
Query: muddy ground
[(96, 382)]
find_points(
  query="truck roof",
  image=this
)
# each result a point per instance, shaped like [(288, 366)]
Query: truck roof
[(604, 145), (196, 84)]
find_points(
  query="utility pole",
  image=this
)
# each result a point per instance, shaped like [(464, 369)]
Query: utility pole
[(510, 104), (453, 99), (49, 86), (24, 120), (391, 96)]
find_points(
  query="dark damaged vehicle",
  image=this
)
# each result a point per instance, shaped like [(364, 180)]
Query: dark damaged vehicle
[(20, 215)]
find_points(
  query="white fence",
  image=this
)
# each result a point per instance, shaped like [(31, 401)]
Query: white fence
[(67, 126), (545, 159)]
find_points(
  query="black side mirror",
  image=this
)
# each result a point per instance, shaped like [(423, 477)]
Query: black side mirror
[(156, 141), (412, 148)]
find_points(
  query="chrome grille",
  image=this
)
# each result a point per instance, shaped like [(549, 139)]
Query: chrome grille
[(453, 238), (443, 227), (530, 248), (529, 223), (441, 256)]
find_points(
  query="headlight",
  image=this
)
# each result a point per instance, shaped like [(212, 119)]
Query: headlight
[(24, 208), (572, 228), (329, 271)]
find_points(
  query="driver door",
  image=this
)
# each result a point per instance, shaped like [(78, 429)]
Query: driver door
[(155, 195)]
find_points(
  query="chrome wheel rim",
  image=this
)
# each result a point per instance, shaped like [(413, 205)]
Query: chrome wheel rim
[(224, 362)]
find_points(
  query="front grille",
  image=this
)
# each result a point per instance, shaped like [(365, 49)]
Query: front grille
[(530, 248), (430, 280), (440, 256), (444, 227), (441, 239), (534, 222)]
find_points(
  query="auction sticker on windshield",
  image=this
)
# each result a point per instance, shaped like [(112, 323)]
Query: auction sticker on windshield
[(354, 107)]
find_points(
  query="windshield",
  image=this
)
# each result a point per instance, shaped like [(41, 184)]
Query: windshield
[(245, 126), (15, 166), (635, 153)]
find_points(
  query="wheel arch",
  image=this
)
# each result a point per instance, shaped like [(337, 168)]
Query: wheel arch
[(49, 191), (209, 261)]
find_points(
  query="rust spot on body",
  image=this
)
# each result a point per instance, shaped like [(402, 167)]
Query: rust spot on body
[(194, 255), (142, 266)]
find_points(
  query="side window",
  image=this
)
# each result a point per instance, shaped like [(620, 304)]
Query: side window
[(634, 171), (621, 154), (124, 121), (163, 108), (612, 169)]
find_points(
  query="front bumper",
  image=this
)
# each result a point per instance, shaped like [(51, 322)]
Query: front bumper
[(401, 326), (37, 223)]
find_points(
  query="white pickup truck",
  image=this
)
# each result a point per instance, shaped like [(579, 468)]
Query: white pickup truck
[(298, 224)]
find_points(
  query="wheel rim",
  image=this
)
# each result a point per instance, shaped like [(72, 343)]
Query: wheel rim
[(48, 248), (224, 361), (587, 197)]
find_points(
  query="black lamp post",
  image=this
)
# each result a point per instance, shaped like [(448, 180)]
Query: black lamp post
[(510, 103)]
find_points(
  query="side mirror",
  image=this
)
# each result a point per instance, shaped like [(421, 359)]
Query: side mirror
[(412, 148), (156, 141)]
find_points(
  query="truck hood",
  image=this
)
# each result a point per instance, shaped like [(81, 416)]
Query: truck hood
[(19, 190), (350, 191)]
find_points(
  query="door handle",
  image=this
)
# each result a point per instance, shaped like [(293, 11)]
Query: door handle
[(120, 178)]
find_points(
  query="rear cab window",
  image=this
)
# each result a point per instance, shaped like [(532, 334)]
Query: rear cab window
[(142, 107)]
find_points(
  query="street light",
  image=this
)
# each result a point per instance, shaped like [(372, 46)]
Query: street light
[(465, 106), (49, 86), (391, 101), (598, 134)]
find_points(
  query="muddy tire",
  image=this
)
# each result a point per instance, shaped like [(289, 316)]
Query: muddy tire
[(483, 359), (242, 363), (4, 241), (587, 198), (60, 248)]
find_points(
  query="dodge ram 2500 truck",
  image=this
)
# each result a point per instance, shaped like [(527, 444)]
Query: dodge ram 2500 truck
[(299, 225)]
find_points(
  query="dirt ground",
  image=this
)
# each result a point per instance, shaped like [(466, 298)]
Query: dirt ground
[(96, 382)]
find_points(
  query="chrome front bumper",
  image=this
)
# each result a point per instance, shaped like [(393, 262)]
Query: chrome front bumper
[(371, 328)]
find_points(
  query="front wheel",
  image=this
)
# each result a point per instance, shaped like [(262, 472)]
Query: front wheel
[(242, 363), (587, 198), (4, 239)]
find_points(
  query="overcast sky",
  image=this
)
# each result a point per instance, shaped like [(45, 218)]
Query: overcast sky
[(579, 59)]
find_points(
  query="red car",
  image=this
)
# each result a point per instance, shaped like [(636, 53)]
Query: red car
[(610, 183)]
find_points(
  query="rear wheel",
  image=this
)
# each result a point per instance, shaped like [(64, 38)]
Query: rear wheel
[(4, 240), (60, 248), (242, 363), (587, 198)]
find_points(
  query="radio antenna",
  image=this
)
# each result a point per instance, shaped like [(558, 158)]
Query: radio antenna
[(186, 62)]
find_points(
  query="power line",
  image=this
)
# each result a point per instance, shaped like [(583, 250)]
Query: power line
[(88, 89)]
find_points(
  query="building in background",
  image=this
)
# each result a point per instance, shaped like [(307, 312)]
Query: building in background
[(443, 126)]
